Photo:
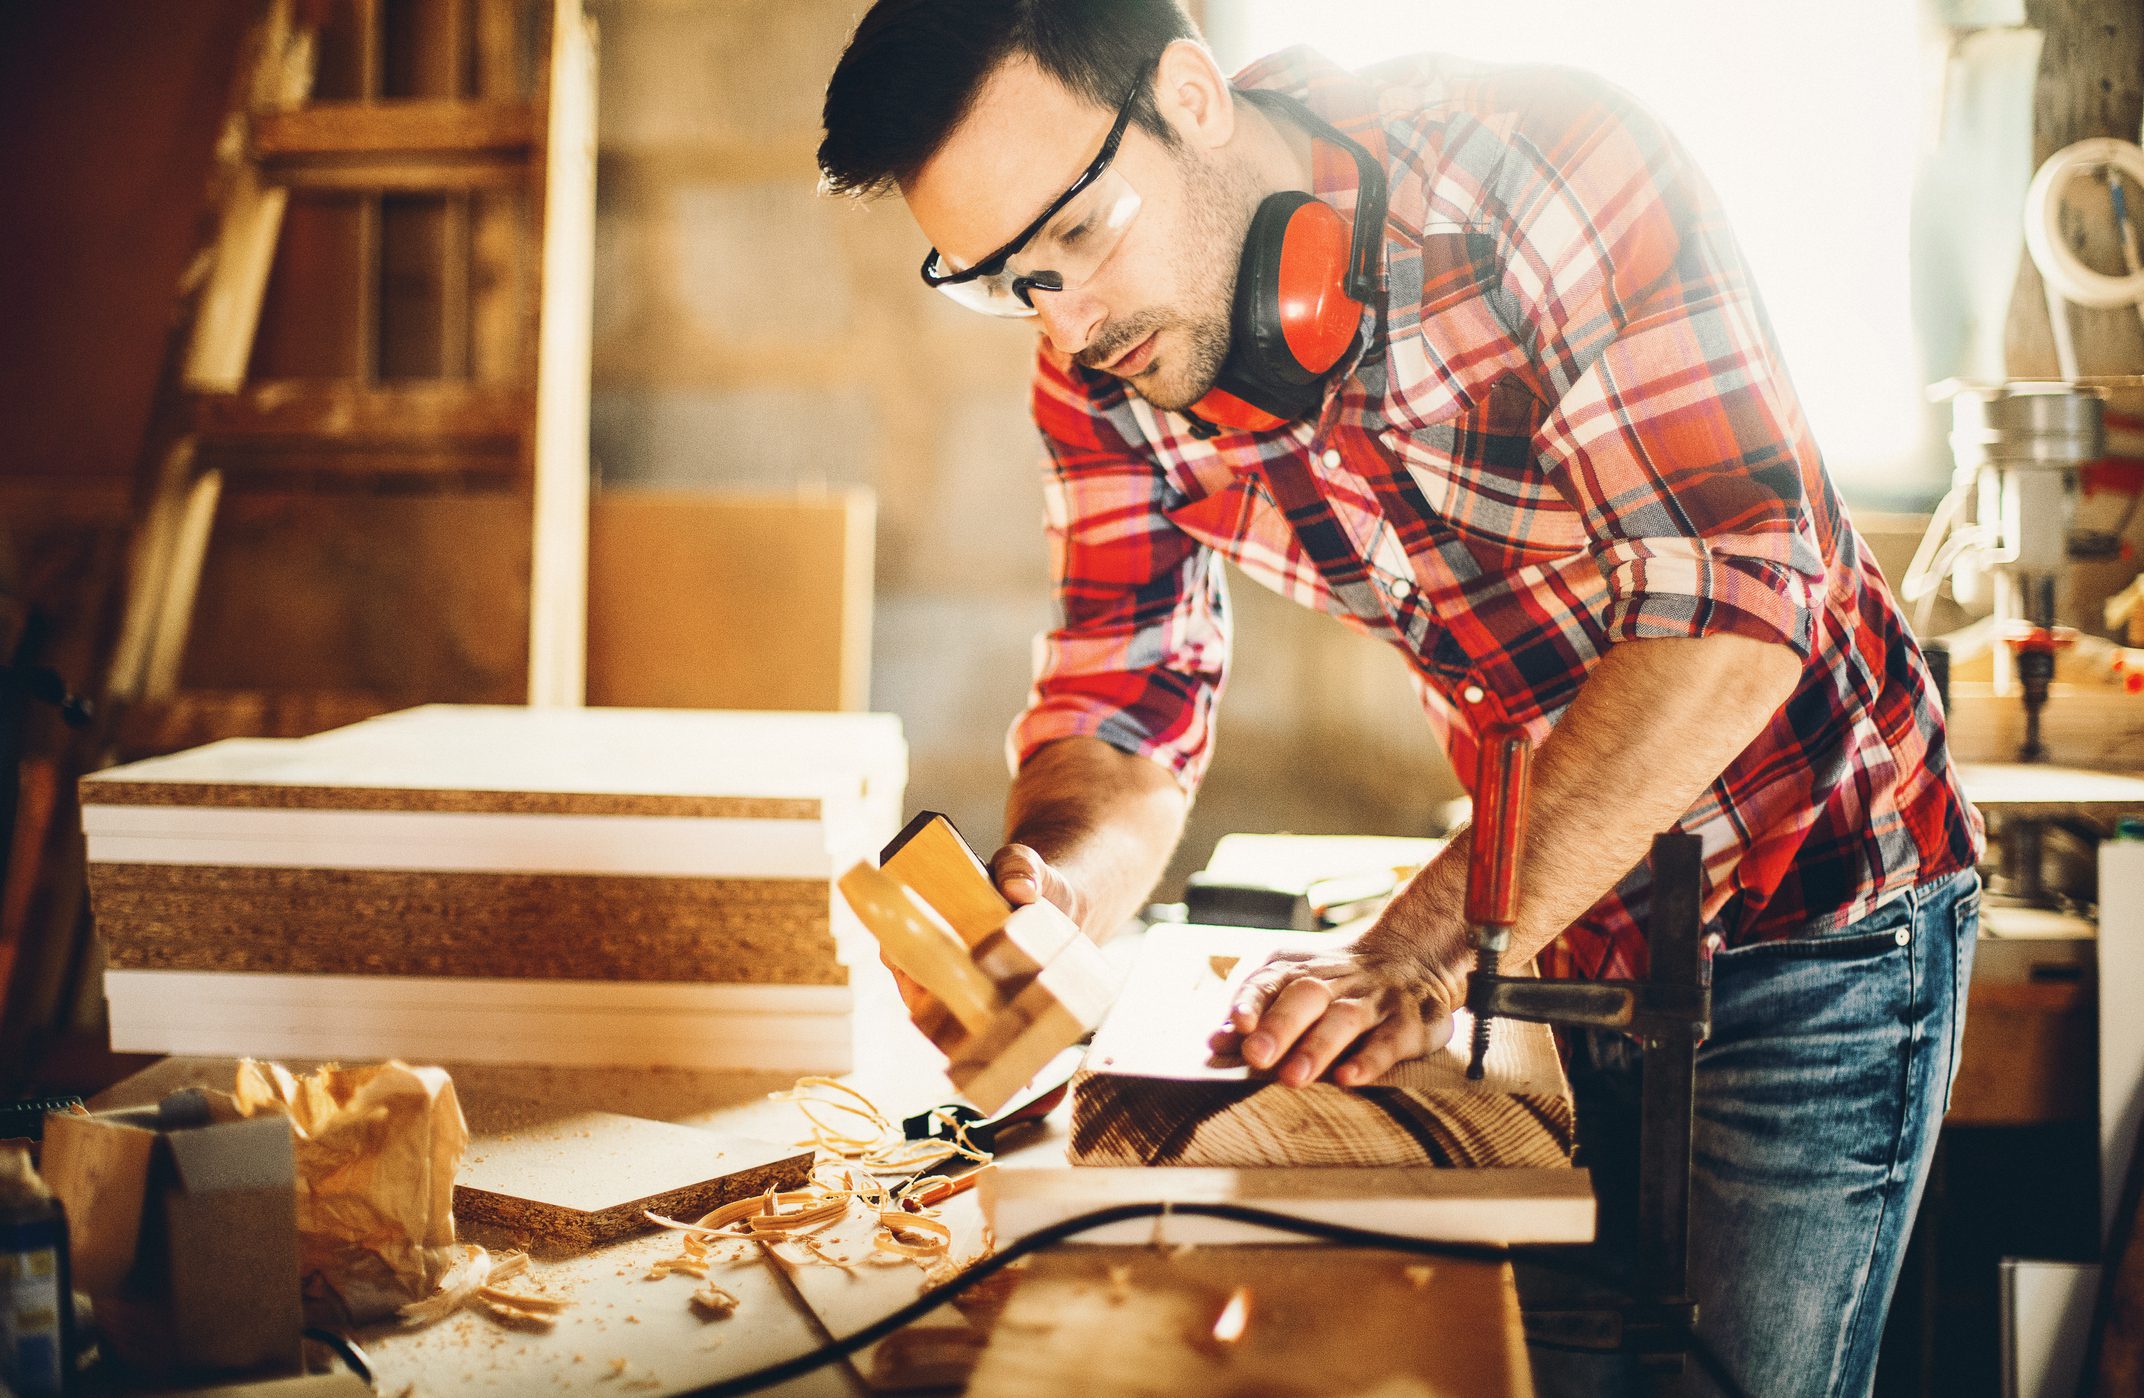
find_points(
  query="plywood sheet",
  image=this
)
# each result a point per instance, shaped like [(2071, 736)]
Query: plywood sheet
[(1136, 1321), (706, 600), (784, 1029), (574, 1179), (1152, 1093), (601, 753), (1534, 1206)]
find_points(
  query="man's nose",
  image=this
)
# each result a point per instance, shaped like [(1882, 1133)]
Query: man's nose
[(1069, 318)]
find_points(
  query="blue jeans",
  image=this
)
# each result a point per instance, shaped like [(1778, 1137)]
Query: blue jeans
[(1819, 1095)]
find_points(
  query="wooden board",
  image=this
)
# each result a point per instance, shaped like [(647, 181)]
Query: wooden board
[(647, 753), (575, 1179), (1152, 1093), (2043, 789), (1545, 1206), (698, 599), (762, 1028), (1136, 1321)]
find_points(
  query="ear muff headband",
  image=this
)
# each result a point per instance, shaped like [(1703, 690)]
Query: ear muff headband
[(1301, 287)]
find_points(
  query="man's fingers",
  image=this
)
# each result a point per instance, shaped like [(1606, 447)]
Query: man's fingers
[(1258, 990), (1394, 1041), (1343, 1022), (1298, 1005)]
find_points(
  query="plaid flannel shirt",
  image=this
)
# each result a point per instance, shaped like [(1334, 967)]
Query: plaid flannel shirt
[(1568, 426)]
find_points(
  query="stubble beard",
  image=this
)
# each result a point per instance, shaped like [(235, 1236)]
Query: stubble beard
[(1218, 204)]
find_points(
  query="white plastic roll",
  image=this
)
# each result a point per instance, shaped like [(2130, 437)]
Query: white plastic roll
[(2063, 272)]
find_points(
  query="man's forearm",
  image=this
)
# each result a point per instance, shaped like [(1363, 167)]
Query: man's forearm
[(1107, 820), (1652, 727)]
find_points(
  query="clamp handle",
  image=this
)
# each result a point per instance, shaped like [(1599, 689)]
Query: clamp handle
[(1499, 826), (1493, 864)]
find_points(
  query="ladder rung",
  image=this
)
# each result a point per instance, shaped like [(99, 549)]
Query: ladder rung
[(418, 417), (414, 144)]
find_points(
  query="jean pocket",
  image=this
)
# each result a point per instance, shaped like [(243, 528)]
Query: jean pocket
[(1884, 930), (1965, 930)]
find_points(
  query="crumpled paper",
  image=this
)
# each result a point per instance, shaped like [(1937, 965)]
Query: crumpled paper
[(377, 1150)]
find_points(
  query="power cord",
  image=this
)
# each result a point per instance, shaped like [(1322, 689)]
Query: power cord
[(1052, 1235)]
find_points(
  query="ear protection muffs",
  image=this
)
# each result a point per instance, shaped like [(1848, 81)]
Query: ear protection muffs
[(1300, 291)]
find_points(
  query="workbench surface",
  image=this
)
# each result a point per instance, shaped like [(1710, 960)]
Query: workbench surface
[(623, 1333)]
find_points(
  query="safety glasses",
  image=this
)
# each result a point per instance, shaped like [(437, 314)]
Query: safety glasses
[(1063, 247)]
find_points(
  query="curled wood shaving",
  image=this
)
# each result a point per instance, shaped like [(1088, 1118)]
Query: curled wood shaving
[(856, 1143), (473, 1283), (866, 1134), (898, 1230)]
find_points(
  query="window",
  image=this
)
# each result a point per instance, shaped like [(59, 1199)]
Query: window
[(1807, 119)]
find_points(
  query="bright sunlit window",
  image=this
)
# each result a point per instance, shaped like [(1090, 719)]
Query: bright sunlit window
[(1804, 116)]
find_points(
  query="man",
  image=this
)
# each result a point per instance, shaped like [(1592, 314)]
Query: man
[(1566, 474)]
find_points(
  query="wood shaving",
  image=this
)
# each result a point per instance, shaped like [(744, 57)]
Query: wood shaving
[(1419, 1274), (711, 1302), (912, 1235), (862, 1133), (856, 1142), (472, 1283)]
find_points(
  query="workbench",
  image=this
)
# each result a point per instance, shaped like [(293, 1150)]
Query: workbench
[(1323, 1318)]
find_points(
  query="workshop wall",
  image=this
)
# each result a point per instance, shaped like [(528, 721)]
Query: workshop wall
[(753, 333)]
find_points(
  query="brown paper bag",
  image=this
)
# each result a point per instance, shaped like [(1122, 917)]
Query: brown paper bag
[(377, 1150)]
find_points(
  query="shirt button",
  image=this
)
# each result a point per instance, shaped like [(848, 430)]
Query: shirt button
[(1473, 694), (1904, 936), (1331, 458), (1400, 588)]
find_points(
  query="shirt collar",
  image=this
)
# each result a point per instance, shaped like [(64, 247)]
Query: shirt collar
[(1345, 99)]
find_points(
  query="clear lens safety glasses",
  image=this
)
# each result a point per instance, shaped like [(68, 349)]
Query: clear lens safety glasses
[(1068, 250)]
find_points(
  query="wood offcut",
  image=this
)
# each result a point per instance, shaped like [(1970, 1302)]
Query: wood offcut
[(578, 1179)]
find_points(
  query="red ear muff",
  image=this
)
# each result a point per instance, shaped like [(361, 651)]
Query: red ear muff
[(1292, 319), (1317, 319), (1300, 291)]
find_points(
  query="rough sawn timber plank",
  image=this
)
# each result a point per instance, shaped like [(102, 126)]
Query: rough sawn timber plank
[(1152, 1093)]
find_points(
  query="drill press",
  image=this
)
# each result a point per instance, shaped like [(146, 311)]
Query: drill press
[(2020, 449)]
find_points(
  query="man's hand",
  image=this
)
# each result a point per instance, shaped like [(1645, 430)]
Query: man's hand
[(1304, 1009)]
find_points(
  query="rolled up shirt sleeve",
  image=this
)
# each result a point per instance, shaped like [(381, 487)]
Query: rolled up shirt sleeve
[(1672, 428), (1140, 652)]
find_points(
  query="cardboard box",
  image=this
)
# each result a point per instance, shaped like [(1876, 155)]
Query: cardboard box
[(184, 1232)]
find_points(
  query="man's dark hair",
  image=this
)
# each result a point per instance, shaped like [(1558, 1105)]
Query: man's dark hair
[(913, 68)]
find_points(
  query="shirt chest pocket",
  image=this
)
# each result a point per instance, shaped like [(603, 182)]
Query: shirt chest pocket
[(1476, 477)]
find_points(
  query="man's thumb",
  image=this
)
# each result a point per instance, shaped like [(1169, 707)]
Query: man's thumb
[(1018, 871)]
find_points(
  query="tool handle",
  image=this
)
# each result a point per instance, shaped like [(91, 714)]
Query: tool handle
[(1499, 826)]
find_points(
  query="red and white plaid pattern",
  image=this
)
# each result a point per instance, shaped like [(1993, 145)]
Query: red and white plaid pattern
[(1569, 427)]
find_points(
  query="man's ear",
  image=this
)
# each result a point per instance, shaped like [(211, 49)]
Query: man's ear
[(1193, 96)]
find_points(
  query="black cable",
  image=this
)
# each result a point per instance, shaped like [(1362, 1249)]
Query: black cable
[(346, 1349), (1058, 1232)]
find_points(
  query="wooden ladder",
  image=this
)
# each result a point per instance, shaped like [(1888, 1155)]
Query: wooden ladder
[(508, 409)]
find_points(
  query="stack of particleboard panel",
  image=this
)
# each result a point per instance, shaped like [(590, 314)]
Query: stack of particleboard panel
[(568, 886)]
